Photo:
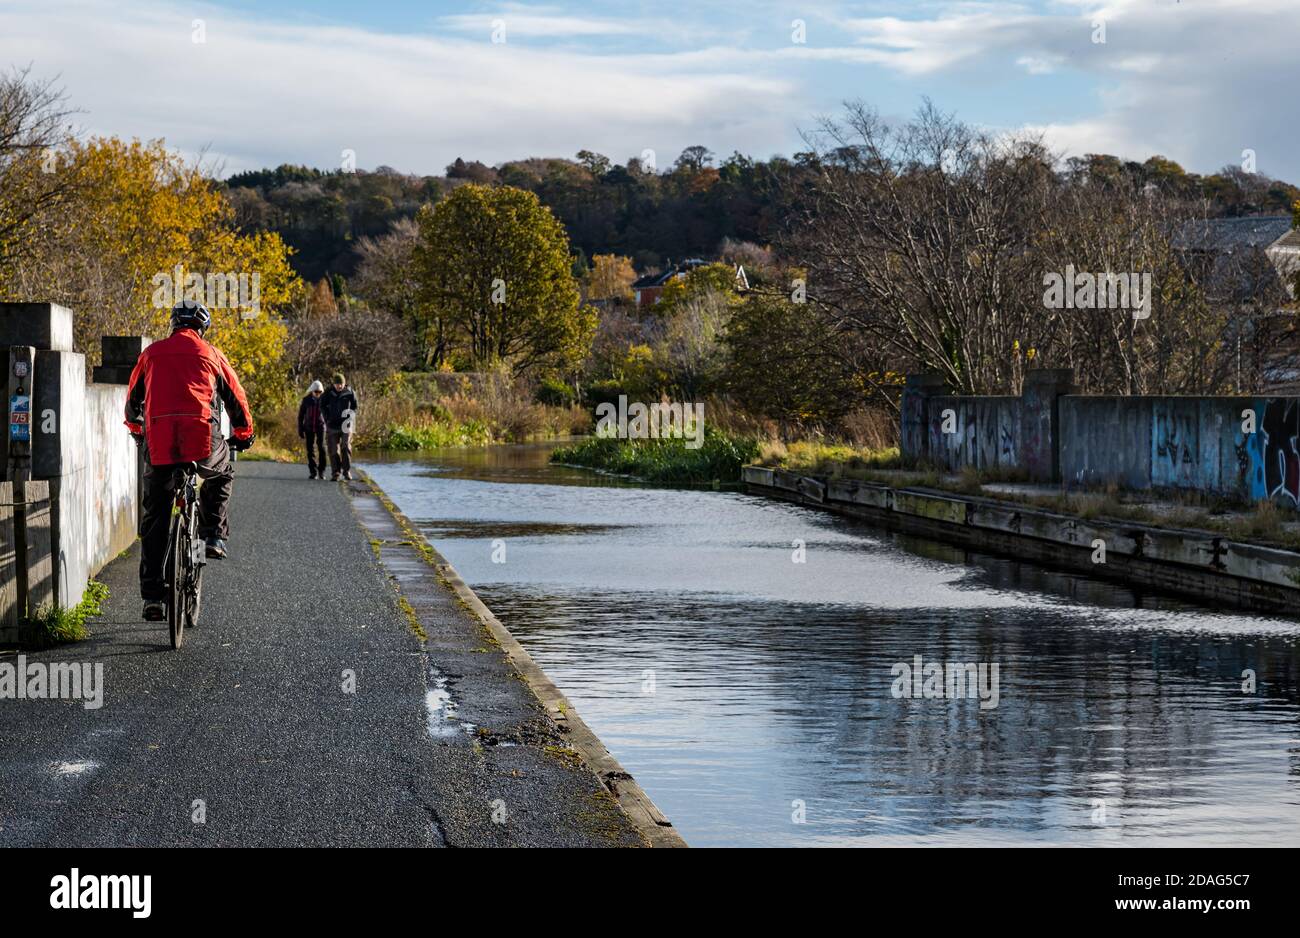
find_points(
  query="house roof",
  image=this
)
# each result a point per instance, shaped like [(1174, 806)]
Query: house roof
[(654, 280), (1220, 235), (668, 273), (1289, 241)]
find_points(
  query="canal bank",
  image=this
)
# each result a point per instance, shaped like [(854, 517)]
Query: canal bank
[(467, 653), (1200, 564)]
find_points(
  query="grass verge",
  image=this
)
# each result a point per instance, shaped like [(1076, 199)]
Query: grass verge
[(718, 459), (54, 625), (835, 460)]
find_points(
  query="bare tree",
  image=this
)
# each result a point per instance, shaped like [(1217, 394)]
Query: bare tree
[(386, 280), (920, 237), (934, 242), (33, 124), (369, 343)]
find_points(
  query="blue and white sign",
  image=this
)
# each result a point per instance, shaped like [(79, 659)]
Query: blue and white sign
[(20, 418)]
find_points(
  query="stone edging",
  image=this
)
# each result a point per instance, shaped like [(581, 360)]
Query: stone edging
[(1201, 564), (632, 799)]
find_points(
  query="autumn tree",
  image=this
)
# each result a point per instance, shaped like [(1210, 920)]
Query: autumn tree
[(596, 163), (495, 262), (321, 303), (693, 159), (143, 229), (931, 241), (386, 279), (610, 278), (677, 349)]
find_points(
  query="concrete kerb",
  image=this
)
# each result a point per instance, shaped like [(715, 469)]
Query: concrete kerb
[(1185, 563), (644, 815)]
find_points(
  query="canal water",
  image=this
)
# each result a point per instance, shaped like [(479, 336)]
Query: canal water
[(743, 659)]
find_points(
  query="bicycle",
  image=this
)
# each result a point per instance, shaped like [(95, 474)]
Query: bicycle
[(186, 555)]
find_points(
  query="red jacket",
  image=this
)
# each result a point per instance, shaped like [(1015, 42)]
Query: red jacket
[(174, 395)]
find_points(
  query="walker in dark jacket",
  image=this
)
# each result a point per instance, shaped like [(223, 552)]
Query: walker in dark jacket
[(339, 407), (311, 428)]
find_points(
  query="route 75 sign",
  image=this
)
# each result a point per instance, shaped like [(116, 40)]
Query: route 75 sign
[(20, 418)]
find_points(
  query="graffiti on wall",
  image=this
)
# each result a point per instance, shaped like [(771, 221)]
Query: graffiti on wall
[(913, 437), (1279, 426), (1175, 445)]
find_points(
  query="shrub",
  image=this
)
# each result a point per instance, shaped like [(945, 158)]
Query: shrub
[(555, 393), (719, 458)]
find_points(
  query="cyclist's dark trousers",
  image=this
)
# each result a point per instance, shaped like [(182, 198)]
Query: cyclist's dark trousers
[(316, 452), (218, 475)]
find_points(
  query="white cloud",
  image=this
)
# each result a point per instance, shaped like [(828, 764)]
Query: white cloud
[(539, 24), (1196, 81), (1038, 64), (259, 92)]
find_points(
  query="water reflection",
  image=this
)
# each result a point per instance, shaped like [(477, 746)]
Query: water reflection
[(743, 689)]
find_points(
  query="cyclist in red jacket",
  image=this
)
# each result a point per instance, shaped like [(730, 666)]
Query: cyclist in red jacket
[(177, 391)]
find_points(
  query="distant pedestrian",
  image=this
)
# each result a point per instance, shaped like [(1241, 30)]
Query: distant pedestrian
[(311, 428), (339, 406)]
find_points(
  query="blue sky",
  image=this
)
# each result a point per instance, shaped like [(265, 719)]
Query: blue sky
[(414, 85)]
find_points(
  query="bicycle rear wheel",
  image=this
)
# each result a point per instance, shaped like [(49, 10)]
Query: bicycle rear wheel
[(194, 571), (177, 549)]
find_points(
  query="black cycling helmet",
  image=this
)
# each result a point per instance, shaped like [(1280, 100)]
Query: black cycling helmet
[(191, 314)]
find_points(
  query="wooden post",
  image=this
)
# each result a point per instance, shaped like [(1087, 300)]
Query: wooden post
[(34, 541), (8, 566)]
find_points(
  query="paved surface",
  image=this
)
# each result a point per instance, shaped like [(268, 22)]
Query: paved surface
[(250, 716)]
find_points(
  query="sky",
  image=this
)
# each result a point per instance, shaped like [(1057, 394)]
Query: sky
[(413, 85)]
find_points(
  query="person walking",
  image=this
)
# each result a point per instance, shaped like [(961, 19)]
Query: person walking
[(339, 406), (311, 428)]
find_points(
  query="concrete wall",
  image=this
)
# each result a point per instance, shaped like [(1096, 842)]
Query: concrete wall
[(1016, 434), (987, 432), (78, 442), (95, 496), (1185, 443), (1204, 444), (1106, 439)]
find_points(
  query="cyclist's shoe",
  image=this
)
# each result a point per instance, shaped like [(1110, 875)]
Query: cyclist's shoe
[(334, 477), (216, 548), (348, 476), (155, 611)]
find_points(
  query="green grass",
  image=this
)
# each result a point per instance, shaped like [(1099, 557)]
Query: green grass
[(265, 452), (54, 625), (430, 436), (835, 460), (719, 458)]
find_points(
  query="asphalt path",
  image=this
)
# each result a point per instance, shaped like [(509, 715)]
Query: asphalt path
[(251, 735)]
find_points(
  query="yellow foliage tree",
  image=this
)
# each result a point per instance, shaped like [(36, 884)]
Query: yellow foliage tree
[(610, 278), (143, 229), (250, 333)]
